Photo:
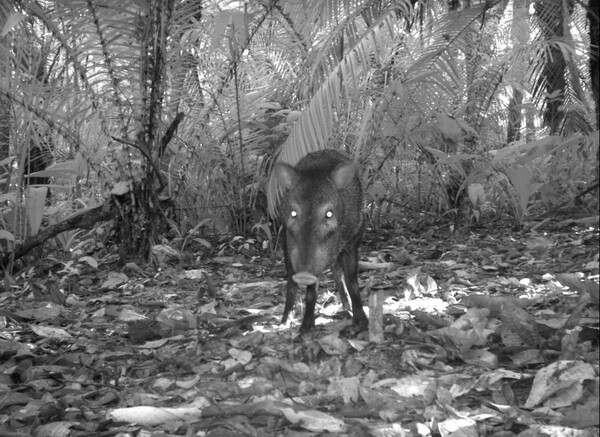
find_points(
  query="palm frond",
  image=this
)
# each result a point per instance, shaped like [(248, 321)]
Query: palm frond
[(312, 130), (554, 73)]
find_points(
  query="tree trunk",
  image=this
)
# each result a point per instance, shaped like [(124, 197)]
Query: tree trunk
[(520, 33), (594, 25), (530, 112), (553, 78), (594, 31), (142, 226), (5, 170), (514, 116)]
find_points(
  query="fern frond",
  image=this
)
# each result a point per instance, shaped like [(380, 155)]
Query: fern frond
[(313, 129), (316, 120)]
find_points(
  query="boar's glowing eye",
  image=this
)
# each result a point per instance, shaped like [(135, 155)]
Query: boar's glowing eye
[(329, 214), (294, 213)]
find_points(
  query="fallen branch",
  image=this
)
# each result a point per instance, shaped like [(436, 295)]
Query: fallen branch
[(85, 219)]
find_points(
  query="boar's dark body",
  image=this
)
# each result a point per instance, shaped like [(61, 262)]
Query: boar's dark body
[(323, 226)]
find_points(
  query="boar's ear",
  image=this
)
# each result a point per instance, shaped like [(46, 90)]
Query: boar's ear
[(285, 174), (343, 174)]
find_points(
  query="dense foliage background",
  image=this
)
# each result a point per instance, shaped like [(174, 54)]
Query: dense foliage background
[(467, 110), (142, 287)]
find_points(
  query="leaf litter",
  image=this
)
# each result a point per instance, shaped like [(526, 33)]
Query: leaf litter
[(490, 333)]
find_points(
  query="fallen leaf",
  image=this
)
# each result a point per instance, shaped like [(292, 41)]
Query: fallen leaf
[(313, 420), (550, 380), (51, 332)]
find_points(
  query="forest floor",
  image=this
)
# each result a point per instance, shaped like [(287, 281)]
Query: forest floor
[(486, 332)]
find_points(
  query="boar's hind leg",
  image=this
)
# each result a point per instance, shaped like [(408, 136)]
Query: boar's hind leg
[(349, 262), (340, 283)]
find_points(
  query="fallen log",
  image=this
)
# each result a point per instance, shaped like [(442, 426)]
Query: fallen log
[(85, 219)]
